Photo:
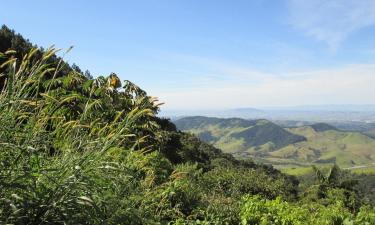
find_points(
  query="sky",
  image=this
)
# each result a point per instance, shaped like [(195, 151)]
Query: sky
[(215, 54)]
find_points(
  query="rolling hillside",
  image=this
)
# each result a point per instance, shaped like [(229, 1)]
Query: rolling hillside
[(283, 147), (348, 149), (239, 136)]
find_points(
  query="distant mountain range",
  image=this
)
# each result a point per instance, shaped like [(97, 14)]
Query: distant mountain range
[(266, 141), (367, 128), (329, 108), (318, 113)]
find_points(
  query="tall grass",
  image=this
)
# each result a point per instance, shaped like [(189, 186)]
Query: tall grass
[(72, 149)]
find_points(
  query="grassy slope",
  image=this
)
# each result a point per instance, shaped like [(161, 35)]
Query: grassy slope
[(324, 143), (238, 136), (345, 148)]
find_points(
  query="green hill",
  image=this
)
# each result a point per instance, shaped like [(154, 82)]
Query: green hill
[(319, 127), (283, 147), (239, 136), (347, 149)]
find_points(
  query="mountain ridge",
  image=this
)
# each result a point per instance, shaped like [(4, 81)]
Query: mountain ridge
[(252, 133), (317, 143)]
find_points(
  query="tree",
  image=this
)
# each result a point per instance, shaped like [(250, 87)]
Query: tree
[(332, 179), (88, 75), (76, 68)]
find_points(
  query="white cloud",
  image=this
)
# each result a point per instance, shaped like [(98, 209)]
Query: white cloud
[(331, 21), (352, 84)]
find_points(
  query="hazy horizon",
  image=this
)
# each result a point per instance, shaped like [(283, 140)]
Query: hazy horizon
[(275, 107)]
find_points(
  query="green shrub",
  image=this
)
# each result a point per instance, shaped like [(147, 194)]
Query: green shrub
[(257, 210)]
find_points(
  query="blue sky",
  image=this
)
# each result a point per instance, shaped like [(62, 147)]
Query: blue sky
[(196, 54)]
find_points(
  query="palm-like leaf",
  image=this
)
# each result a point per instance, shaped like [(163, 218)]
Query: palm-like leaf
[(333, 177), (321, 178)]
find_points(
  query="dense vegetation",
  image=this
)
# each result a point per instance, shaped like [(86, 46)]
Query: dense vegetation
[(76, 150)]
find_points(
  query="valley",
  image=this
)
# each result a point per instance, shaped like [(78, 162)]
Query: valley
[(284, 147)]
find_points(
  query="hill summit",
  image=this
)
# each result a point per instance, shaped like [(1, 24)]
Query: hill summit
[(239, 136)]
